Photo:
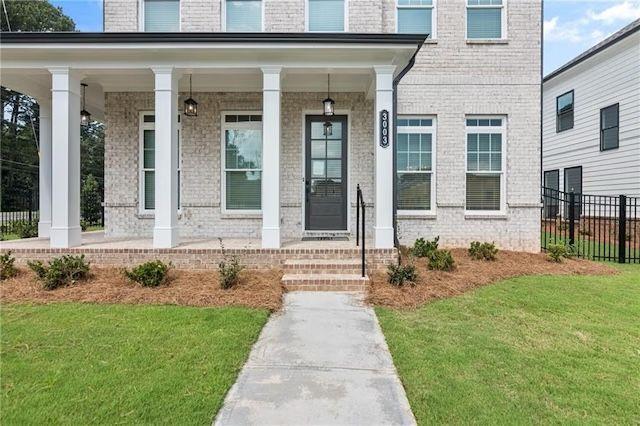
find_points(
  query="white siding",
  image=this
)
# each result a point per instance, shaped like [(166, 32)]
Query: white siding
[(609, 77)]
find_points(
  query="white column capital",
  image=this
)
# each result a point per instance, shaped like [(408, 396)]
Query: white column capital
[(271, 76), (384, 77), (166, 78), (65, 79)]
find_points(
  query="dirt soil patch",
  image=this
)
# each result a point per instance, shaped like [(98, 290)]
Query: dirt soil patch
[(256, 289), (470, 273)]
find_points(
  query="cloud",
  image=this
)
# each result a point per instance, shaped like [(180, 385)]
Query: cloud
[(620, 12), (592, 26)]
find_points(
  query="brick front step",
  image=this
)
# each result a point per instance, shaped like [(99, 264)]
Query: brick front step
[(324, 282), (322, 266)]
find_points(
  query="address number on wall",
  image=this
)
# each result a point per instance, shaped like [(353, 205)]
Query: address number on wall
[(384, 128)]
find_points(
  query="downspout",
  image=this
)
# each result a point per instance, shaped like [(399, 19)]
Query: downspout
[(396, 81)]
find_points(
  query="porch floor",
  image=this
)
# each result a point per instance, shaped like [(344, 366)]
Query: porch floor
[(97, 240)]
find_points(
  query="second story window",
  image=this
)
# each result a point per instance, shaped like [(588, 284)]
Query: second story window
[(161, 15), (609, 127), (416, 17), (326, 15), (485, 19), (564, 112), (243, 16)]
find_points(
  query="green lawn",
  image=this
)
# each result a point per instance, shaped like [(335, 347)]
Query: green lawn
[(115, 364), (526, 350)]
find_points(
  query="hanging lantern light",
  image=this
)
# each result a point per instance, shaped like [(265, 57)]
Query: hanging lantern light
[(190, 106), (85, 116), (328, 103), (328, 128)]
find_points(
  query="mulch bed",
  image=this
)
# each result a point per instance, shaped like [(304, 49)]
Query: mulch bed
[(256, 289), (470, 273)]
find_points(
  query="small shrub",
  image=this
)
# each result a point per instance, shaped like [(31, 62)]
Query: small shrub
[(557, 252), (401, 274), (149, 274), (7, 269), (483, 251), (441, 260), (60, 271), (25, 229), (422, 248), (584, 231), (228, 269)]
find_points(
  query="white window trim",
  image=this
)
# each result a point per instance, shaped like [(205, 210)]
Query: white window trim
[(223, 158), (503, 173), (434, 143), (503, 20), (141, 128), (434, 17), (306, 17), (223, 22), (141, 15)]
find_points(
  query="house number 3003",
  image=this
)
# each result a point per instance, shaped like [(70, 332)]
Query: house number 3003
[(384, 128)]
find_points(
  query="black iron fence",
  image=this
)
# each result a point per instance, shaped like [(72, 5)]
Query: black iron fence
[(598, 227), (360, 209)]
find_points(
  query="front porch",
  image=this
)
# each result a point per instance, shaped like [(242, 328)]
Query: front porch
[(198, 253), (180, 201)]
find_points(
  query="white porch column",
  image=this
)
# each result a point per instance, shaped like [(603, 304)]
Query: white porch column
[(65, 158), (44, 205), (271, 157), (165, 232), (383, 228)]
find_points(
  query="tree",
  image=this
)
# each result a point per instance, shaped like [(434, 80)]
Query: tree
[(90, 201), (34, 15)]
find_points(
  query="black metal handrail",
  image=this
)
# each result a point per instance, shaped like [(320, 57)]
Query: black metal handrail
[(360, 207)]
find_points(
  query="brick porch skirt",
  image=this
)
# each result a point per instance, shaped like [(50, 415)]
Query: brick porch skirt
[(189, 258)]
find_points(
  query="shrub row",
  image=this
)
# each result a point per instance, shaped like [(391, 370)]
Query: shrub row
[(67, 270)]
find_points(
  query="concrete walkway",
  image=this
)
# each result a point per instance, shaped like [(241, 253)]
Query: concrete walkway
[(322, 361)]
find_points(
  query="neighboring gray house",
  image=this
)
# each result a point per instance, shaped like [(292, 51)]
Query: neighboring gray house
[(591, 120), (256, 161)]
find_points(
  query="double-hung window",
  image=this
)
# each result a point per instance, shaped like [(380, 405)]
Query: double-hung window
[(326, 15), (415, 164), (564, 112), (243, 16), (485, 163), (242, 162), (485, 19), (161, 15), (609, 127), (416, 17), (147, 162)]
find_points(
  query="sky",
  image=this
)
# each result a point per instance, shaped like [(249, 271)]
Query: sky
[(570, 26)]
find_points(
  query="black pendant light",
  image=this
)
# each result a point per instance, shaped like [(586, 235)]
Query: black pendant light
[(328, 128), (85, 116), (190, 106), (328, 103)]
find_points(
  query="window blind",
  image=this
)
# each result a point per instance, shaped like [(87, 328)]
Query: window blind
[(326, 15), (414, 21), (244, 15), (162, 15), (483, 192), (484, 23)]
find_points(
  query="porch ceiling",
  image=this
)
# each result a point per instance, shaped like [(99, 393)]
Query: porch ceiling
[(218, 61)]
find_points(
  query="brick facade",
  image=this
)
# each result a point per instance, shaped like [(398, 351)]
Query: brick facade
[(452, 77)]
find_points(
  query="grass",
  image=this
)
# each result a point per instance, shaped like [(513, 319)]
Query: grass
[(118, 364), (538, 349), (7, 236)]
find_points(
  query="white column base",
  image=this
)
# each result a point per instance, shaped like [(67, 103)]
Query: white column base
[(165, 237), (65, 237), (44, 229), (383, 238), (271, 238)]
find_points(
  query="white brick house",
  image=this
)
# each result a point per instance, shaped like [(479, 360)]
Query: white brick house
[(463, 154)]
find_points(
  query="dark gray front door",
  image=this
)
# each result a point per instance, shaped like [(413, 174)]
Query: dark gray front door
[(326, 174)]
